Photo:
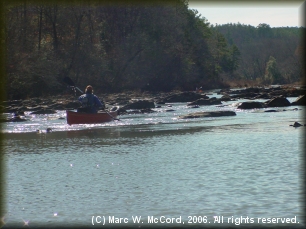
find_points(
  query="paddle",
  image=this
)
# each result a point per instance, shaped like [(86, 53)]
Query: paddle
[(70, 82)]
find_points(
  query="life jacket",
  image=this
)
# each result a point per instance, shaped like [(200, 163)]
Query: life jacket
[(88, 100)]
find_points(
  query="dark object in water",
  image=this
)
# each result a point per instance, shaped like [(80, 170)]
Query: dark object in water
[(208, 114), (271, 111), (296, 124), (195, 106)]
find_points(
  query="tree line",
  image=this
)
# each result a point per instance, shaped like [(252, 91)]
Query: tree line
[(116, 46), (268, 55)]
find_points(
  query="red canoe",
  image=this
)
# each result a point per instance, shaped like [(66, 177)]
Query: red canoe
[(83, 118)]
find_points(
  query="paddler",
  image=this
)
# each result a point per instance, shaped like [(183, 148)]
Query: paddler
[(90, 102)]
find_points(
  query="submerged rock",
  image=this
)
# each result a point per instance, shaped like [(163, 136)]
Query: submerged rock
[(208, 114)]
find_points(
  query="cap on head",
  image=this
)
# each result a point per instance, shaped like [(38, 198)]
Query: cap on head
[(89, 89)]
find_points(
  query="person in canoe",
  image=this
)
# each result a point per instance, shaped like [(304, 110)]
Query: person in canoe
[(90, 102)]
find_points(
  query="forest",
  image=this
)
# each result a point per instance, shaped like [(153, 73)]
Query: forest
[(128, 45)]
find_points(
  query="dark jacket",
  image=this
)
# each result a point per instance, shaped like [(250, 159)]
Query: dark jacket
[(90, 103)]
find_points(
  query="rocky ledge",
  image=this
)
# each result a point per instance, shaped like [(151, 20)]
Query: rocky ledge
[(264, 93), (143, 102), (208, 114)]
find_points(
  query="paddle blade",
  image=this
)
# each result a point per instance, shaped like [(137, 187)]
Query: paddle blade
[(68, 81)]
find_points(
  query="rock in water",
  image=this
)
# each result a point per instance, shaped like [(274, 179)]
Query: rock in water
[(301, 101), (251, 105), (211, 101), (278, 102), (296, 124), (140, 104), (208, 114), (186, 96)]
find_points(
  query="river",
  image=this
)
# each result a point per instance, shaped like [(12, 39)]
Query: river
[(243, 169)]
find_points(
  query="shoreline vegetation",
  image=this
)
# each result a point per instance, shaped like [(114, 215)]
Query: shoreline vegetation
[(162, 46)]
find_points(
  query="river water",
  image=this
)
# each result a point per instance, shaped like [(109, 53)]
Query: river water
[(246, 168)]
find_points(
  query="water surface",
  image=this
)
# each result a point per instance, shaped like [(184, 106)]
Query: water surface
[(155, 165)]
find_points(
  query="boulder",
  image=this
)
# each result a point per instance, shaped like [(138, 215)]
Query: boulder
[(226, 97), (139, 104), (300, 101), (251, 105), (182, 97), (208, 114), (248, 95), (118, 100), (278, 102), (211, 101)]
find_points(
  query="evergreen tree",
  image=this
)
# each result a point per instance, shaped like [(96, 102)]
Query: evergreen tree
[(234, 59)]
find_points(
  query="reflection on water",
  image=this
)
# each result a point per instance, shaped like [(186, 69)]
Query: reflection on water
[(31, 142)]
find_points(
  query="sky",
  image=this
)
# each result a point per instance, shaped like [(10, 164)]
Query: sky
[(274, 13)]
